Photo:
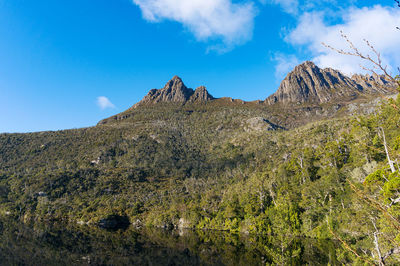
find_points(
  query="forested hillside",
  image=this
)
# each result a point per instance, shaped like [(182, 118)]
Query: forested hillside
[(220, 164)]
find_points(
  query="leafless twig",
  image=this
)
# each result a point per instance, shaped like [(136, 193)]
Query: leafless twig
[(354, 51), (398, 4)]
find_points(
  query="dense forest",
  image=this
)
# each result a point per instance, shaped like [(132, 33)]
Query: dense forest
[(219, 168)]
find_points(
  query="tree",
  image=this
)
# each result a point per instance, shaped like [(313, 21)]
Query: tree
[(380, 192)]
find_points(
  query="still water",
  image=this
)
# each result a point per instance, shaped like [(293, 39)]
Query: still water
[(82, 245)]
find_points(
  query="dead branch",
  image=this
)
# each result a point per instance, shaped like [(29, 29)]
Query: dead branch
[(394, 201), (391, 164), (376, 242)]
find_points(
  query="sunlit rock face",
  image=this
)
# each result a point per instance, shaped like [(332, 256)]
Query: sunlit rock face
[(308, 83), (175, 91)]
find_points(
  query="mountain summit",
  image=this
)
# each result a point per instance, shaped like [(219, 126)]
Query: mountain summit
[(175, 91), (308, 83)]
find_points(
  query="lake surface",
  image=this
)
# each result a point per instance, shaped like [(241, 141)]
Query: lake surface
[(82, 245)]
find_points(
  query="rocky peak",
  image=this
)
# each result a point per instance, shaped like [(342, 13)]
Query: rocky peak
[(201, 95), (308, 83), (175, 83), (175, 91)]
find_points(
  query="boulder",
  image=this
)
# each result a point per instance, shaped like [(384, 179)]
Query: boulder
[(114, 222)]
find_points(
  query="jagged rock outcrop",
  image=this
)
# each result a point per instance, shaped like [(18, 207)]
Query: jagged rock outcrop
[(201, 95), (175, 91), (260, 124), (374, 83), (308, 83)]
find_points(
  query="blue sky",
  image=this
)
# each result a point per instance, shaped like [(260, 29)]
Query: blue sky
[(58, 57)]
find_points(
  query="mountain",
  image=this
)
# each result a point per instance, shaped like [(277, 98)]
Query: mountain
[(305, 84), (201, 95), (308, 83), (175, 91), (181, 158), (308, 93)]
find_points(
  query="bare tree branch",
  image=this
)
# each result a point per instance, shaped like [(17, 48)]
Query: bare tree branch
[(376, 242), (398, 4), (391, 252), (391, 164), (354, 51), (394, 201)]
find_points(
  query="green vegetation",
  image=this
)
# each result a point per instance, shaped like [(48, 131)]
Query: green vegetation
[(209, 167), (71, 245)]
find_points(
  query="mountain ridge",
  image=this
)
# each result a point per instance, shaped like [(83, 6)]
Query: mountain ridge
[(306, 83), (175, 91), (308, 93)]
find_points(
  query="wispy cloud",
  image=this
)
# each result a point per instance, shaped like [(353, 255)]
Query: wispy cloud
[(289, 6), (284, 64), (298, 7), (104, 103), (376, 24), (229, 23)]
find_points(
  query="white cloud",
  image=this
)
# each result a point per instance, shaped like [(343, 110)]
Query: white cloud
[(284, 64), (376, 24), (296, 7), (104, 103), (231, 23), (289, 6)]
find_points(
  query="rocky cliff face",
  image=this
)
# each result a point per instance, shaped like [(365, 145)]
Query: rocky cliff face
[(308, 83), (201, 95), (175, 91), (374, 83)]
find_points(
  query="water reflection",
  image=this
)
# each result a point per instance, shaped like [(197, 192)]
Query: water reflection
[(81, 245)]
